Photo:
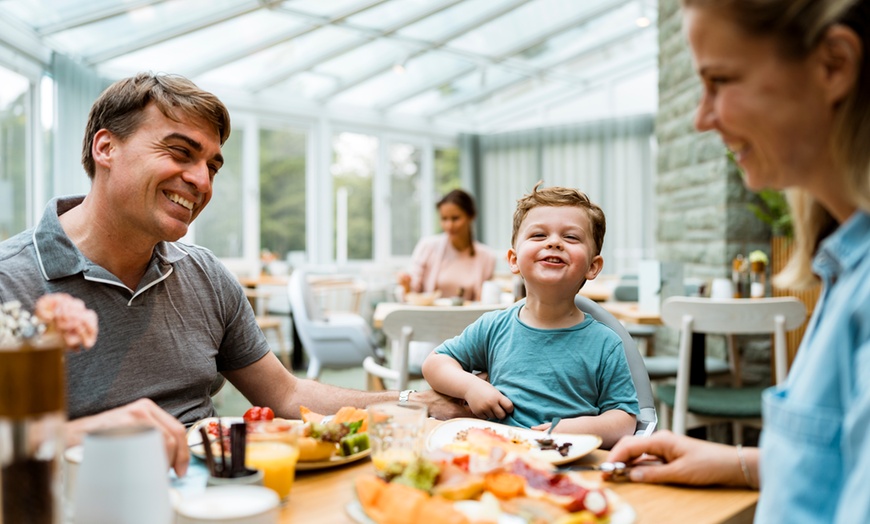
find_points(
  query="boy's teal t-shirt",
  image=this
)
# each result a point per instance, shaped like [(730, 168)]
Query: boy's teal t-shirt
[(567, 372)]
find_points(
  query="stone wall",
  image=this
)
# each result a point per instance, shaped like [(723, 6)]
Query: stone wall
[(703, 218)]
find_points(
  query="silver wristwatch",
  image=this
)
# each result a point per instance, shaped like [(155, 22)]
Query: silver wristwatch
[(405, 396)]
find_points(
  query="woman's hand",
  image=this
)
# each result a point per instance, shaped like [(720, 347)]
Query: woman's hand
[(668, 458)]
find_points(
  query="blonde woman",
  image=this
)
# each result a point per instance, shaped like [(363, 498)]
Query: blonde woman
[(786, 84)]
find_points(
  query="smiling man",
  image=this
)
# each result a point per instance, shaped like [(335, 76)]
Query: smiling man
[(171, 316)]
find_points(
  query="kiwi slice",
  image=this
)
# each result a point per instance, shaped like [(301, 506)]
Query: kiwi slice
[(353, 444)]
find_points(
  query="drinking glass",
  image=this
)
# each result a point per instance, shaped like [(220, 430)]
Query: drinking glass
[(396, 432), (277, 458)]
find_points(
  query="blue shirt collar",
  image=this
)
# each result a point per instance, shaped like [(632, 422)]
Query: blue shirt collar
[(844, 249)]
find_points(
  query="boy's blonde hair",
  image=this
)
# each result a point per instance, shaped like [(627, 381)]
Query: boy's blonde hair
[(561, 197)]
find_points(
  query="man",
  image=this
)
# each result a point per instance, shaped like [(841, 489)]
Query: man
[(171, 316)]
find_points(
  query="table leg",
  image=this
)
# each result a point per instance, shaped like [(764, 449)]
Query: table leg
[(698, 375), (298, 356)]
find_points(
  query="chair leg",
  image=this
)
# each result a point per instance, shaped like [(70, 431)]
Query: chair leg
[(375, 383), (737, 430), (313, 369)]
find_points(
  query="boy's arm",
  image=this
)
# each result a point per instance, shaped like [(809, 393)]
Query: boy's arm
[(447, 377), (611, 426)]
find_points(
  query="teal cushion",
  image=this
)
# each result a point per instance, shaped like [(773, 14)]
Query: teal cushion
[(665, 366), (717, 401)]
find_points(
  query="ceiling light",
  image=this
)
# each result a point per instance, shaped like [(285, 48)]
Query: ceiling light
[(400, 67), (642, 21)]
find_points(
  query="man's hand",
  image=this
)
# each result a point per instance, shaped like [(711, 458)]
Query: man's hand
[(441, 406), (141, 412)]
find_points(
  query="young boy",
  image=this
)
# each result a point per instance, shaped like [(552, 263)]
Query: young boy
[(544, 357)]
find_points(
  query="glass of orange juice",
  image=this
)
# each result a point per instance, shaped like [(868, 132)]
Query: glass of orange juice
[(275, 453), (396, 431)]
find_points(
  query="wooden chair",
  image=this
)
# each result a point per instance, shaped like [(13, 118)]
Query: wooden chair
[(268, 323), (700, 405), (432, 324)]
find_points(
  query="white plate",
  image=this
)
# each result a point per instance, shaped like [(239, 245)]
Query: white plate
[(332, 462), (622, 514), (194, 441), (581, 445)]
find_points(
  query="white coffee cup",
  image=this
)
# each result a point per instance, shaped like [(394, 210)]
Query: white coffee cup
[(721, 288), (72, 460), (229, 505), (490, 292), (124, 479)]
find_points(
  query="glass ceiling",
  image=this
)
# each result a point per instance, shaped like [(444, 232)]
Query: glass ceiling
[(468, 65)]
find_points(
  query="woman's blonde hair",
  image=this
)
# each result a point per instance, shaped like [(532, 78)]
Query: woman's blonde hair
[(799, 26)]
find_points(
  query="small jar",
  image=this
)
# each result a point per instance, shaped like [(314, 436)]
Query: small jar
[(758, 279), (32, 413)]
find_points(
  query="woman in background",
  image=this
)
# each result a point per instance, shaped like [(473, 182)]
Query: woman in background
[(452, 262), (786, 84)]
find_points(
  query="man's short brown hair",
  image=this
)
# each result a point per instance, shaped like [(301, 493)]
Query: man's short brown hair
[(120, 109), (561, 197)]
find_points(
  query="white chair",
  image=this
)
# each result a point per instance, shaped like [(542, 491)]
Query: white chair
[(331, 341), (647, 419), (429, 324), (695, 406)]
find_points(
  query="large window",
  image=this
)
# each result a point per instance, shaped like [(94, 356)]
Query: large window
[(282, 190), (13, 162), (353, 169), (220, 227), (405, 197)]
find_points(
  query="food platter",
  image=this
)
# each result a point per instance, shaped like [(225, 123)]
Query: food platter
[(194, 442), (623, 513), (581, 445), (332, 462)]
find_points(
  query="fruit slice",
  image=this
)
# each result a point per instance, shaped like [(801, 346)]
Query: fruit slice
[(353, 444)]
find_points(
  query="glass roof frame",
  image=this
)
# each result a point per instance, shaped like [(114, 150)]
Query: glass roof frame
[(465, 64)]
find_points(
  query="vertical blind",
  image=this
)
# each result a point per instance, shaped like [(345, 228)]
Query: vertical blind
[(611, 161)]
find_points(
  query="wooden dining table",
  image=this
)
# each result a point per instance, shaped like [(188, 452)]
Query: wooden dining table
[(324, 495)]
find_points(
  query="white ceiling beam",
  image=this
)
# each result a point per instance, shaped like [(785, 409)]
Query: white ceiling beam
[(207, 20), (283, 74), (95, 15), (490, 120), (427, 46), (546, 70)]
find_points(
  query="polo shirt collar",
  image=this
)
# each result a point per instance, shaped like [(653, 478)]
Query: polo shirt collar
[(58, 257)]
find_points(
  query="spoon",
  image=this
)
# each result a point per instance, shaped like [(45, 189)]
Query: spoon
[(553, 423)]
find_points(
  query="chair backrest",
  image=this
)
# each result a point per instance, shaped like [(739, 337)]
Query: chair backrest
[(647, 420), (728, 317), (302, 302), (736, 316), (433, 324)]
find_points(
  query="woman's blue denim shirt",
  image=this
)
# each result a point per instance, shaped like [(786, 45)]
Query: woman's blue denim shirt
[(815, 446)]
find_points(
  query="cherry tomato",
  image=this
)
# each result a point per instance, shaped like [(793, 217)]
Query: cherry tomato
[(257, 413)]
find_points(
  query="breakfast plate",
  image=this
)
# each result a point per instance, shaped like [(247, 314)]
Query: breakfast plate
[(447, 432), (334, 461), (194, 442)]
